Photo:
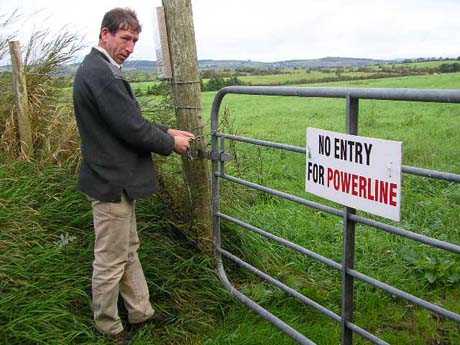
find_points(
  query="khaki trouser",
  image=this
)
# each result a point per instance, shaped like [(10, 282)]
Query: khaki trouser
[(116, 266)]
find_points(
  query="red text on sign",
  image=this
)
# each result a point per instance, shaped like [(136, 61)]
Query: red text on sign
[(363, 187)]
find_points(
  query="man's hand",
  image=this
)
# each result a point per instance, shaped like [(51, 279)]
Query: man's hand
[(181, 140), (176, 132), (181, 144)]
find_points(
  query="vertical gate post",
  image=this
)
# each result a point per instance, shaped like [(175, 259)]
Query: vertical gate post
[(349, 239), (221, 167), (22, 105)]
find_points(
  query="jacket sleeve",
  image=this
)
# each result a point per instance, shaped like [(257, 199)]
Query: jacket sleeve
[(123, 116), (164, 128)]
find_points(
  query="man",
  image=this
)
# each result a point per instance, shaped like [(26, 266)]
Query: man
[(116, 146)]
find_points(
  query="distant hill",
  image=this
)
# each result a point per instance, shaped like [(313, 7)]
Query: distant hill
[(140, 65), (329, 62), (326, 62)]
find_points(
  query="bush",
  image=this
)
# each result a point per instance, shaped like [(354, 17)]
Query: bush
[(449, 67), (217, 83)]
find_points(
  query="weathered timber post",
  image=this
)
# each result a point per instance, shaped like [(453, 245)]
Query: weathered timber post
[(187, 98), (22, 105)]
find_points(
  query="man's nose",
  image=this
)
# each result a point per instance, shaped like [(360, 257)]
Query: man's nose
[(130, 47)]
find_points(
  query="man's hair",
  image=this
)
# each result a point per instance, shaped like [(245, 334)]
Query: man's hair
[(120, 18)]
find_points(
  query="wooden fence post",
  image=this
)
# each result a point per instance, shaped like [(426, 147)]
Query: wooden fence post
[(22, 105), (187, 97)]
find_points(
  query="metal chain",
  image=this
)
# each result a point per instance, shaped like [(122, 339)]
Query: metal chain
[(188, 153)]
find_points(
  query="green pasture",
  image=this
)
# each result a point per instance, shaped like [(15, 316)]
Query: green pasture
[(429, 64), (298, 76), (288, 77), (430, 134), (303, 75), (46, 237)]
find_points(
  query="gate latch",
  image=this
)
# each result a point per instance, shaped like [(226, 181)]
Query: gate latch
[(194, 152), (211, 155), (220, 156)]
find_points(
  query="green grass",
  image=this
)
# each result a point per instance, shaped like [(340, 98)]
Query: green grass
[(430, 135), (45, 282)]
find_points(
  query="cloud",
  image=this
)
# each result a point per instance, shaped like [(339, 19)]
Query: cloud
[(279, 30)]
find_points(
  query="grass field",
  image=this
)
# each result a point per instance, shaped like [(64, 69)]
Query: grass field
[(46, 237), (430, 135), (430, 64), (299, 76), (290, 77)]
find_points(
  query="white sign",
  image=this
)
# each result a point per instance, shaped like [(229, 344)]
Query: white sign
[(358, 172), (161, 46)]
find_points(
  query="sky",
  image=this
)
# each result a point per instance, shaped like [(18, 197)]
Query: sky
[(272, 30)]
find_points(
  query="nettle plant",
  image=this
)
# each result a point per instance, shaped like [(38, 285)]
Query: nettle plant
[(435, 268)]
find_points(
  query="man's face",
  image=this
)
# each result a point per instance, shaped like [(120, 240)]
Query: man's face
[(119, 45)]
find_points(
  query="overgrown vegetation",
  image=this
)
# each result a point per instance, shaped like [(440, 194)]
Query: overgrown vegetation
[(46, 247), (46, 233), (54, 132)]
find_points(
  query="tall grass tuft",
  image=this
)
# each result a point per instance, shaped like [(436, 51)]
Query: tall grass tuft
[(6, 97), (54, 131), (5, 35)]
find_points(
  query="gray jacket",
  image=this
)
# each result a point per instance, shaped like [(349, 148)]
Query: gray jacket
[(116, 141)]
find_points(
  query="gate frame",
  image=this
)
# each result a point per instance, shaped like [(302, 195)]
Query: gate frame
[(350, 219)]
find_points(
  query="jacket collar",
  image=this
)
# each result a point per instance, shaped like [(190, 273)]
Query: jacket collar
[(116, 71), (107, 56)]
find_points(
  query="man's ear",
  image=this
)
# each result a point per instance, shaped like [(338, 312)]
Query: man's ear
[(104, 32)]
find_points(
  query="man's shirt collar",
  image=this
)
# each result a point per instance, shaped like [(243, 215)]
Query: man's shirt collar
[(112, 61)]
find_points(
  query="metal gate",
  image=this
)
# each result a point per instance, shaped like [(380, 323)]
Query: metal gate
[(350, 218)]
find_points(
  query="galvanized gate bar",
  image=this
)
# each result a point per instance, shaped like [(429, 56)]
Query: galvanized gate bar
[(305, 300), (454, 248), (282, 241), (352, 96), (283, 195), (266, 143), (397, 292), (294, 334), (331, 263), (416, 95), (220, 166), (433, 242), (290, 291), (439, 175), (434, 174)]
